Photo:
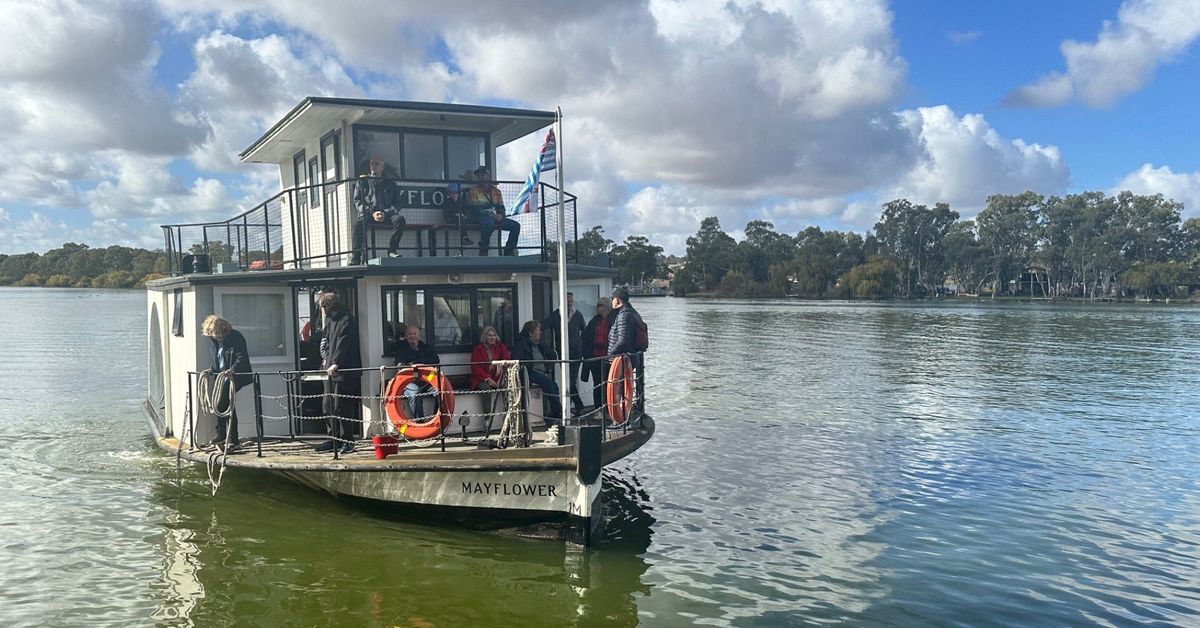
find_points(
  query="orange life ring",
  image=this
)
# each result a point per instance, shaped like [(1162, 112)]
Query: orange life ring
[(620, 390), (306, 331), (409, 427)]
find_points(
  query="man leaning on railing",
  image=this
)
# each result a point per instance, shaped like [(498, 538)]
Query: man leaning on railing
[(375, 199)]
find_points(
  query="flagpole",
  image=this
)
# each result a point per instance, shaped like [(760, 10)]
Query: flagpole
[(564, 370)]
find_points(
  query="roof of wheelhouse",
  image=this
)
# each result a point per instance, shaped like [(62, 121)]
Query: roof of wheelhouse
[(314, 116)]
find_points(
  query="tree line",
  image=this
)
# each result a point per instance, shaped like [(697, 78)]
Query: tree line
[(79, 266), (1090, 245)]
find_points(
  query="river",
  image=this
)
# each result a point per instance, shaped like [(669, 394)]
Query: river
[(815, 463)]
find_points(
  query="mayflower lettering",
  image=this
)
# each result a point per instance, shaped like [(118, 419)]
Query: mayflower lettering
[(500, 488)]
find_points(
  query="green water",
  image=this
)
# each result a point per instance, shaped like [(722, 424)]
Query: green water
[(816, 463)]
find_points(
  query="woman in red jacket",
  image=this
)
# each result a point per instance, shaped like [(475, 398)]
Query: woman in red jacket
[(484, 376)]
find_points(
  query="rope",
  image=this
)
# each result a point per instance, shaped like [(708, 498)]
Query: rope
[(515, 430), (210, 399)]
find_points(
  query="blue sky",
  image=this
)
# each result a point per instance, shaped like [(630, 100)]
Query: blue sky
[(126, 115)]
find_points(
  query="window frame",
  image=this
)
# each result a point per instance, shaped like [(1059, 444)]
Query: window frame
[(285, 294), (445, 133), (389, 293), (300, 168)]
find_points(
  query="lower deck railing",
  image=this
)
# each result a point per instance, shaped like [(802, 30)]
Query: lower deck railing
[(428, 412)]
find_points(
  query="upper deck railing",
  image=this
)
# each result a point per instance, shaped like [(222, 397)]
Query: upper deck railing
[(311, 226)]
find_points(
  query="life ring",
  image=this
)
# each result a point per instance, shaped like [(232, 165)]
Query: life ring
[(306, 331), (620, 390), (409, 427)]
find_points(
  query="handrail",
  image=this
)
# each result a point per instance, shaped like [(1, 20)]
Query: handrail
[(318, 220), (292, 384)]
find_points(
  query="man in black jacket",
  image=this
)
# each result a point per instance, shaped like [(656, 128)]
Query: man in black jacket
[(413, 350), (575, 325), (375, 199), (228, 354), (530, 347), (340, 360)]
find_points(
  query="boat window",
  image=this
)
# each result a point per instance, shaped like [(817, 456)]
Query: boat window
[(495, 309), (314, 177), (260, 319), (465, 153), (543, 301), (400, 309), (385, 144), (451, 317), (586, 298), (177, 315), (419, 154), (451, 323), (301, 179), (423, 157)]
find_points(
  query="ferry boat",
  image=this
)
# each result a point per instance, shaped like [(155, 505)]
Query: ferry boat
[(490, 459)]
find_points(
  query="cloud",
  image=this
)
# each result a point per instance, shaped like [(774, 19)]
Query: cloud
[(1122, 60), (242, 86), (961, 38), (39, 233), (965, 160), (1181, 187), (77, 76), (741, 98)]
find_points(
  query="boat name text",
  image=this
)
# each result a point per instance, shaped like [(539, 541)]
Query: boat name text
[(500, 488)]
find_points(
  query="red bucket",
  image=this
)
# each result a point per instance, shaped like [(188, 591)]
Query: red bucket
[(385, 446)]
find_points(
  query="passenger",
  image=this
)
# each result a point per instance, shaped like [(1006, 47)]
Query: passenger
[(341, 362), (485, 206), (622, 338), (375, 200), (446, 330), (530, 348), (485, 376), (575, 325), (502, 319), (455, 207), (414, 352), (595, 345), (229, 355)]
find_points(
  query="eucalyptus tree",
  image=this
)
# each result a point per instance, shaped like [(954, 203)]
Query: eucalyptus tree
[(636, 260), (1007, 231), (710, 253), (914, 236)]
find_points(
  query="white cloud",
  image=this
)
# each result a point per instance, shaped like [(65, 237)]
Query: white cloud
[(749, 99), (243, 86), (961, 38), (39, 233), (965, 160), (1181, 187), (1146, 34)]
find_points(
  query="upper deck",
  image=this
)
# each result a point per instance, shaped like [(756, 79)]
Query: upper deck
[(322, 148)]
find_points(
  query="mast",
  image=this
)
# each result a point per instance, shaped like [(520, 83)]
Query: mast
[(564, 370)]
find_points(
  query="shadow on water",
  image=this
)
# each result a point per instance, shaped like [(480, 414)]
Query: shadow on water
[(266, 552)]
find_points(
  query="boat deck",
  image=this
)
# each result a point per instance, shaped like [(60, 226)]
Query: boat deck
[(459, 455)]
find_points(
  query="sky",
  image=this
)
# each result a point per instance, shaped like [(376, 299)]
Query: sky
[(119, 116)]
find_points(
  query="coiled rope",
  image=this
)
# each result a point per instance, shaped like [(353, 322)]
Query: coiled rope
[(210, 398)]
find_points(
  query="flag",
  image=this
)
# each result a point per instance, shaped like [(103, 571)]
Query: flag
[(545, 161)]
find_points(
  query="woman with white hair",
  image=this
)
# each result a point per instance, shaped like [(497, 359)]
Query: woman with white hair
[(228, 354)]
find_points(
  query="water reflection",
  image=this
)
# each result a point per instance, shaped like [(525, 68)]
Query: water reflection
[(266, 552)]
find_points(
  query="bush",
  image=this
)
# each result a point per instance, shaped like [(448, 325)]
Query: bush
[(32, 279), (59, 281)]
